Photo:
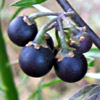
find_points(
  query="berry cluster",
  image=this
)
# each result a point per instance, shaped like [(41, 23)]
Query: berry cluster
[(39, 56)]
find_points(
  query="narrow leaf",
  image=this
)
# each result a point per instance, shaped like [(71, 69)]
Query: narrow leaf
[(95, 90), (90, 61), (57, 80), (27, 3), (2, 4), (17, 12), (94, 97), (79, 95)]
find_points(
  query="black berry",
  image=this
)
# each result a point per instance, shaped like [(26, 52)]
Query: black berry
[(84, 45), (71, 69), (49, 41), (36, 62), (20, 32)]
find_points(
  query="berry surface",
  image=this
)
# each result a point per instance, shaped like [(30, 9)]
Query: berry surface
[(20, 32), (36, 62)]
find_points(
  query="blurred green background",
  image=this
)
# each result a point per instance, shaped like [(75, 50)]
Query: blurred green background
[(89, 10)]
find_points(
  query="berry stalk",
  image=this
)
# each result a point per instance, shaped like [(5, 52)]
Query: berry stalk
[(32, 17), (77, 32), (62, 36), (40, 35), (65, 50), (79, 21)]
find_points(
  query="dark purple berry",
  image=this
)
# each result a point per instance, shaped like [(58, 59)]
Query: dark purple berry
[(71, 69), (84, 45), (20, 32), (36, 62), (49, 41)]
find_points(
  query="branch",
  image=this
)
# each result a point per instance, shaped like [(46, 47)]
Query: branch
[(79, 21)]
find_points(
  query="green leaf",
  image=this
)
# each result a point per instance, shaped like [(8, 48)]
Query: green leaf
[(94, 97), (17, 12), (83, 93), (2, 4), (95, 90), (27, 3), (54, 81), (94, 52), (90, 61), (94, 94)]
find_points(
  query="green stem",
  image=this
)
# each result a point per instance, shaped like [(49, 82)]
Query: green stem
[(75, 31), (40, 36), (14, 62), (32, 17), (6, 72), (52, 82), (41, 14), (65, 50), (39, 96), (57, 38), (62, 36)]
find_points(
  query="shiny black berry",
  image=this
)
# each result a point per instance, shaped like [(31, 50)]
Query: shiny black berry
[(49, 41), (36, 62), (71, 69), (84, 45), (20, 32)]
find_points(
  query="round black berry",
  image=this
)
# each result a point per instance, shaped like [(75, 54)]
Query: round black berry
[(71, 69), (36, 62), (20, 32), (84, 45)]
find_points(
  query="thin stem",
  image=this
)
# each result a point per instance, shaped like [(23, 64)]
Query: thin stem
[(65, 50), (61, 35), (14, 62), (50, 28), (79, 21), (52, 82), (41, 14), (39, 96), (76, 32), (40, 36), (57, 37)]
